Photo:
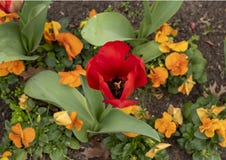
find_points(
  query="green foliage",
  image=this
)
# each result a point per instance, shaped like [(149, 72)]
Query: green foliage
[(106, 27), (125, 148), (110, 120), (49, 137), (157, 14), (192, 140), (225, 54)]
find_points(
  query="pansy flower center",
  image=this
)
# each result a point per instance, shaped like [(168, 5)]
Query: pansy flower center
[(116, 86)]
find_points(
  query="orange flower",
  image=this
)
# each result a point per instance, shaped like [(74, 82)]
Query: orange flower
[(209, 126), (16, 67), (92, 13), (71, 43), (5, 155), (51, 30), (152, 152), (158, 76), (133, 109), (166, 47), (204, 113), (222, 132), (62, 118), (4, 17), (165, 125), (130, 134), (163, 32), (72, 78), (187, 86), (18, 135), (177, 63)]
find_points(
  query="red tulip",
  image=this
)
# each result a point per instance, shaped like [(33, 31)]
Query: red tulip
[(9, 6), (116, 72)]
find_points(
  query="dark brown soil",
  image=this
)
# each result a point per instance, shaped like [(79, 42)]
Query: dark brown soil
[(210, 25)]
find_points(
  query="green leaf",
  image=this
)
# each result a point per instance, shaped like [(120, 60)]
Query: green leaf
[(20, 154), (33, 18), (10, 43), (197, 65), (73, 144), (107, 26), (154, 16), (148, 51), (117, 121), (94, 99), (46, 86)]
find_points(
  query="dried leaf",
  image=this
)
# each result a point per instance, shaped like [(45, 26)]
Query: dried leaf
[(97, 151), (30, 72), (213, 89)]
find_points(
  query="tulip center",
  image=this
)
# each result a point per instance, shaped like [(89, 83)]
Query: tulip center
[(116, 86)]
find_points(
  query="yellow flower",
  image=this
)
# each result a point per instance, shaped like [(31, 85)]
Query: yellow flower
[(5, 155), (51, 30), (131, 109), (71, 43), (4, 17), (62, 118), (16, 67), (158, 76), (165, 125), (72, 78), (163, 32), (18, 135), (92, 13), (209, 126), (222, 132), (166, 47), (177, 63), (204, 113), (187, 86), (152, 152), (23, 101), (130, 134), (176, 114)]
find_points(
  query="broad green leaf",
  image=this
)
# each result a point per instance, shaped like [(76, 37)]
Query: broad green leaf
[(148, 51), (225, 54), (10, 43), (107, 26), (154, 16), (45, 86), (20, 154), (117, 121), (33, 18), (94, 99), (197, 64)]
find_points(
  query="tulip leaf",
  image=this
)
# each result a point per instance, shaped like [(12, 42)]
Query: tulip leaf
[(107, 26), (32, 20), (94, 99), (157, 14), (10, 43), (117, 121), (148, 51), (45, 86)]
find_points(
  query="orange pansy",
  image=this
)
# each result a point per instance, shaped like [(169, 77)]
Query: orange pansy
[(165, 125), (4, 17), (130, 134), (209, 126), (133, 109), (51, 30), (18, 135), (187, 86), (72, 78), (177, 63), (62, 118), (163, 32), (16, 67), (158, 76), (71, 43), (92, 13), (166, 47), (222, 132)]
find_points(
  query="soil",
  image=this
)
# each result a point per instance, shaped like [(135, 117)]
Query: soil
[(208, 17)]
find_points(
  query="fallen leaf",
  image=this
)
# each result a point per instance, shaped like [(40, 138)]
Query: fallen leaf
[(213, 89), (210, 43), (30, 72)]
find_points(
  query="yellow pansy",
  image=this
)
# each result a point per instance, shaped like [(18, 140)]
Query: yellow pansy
[(131, 109), (204, 113), (7, 17), (152, 152), (5, 155), (209, 126), (187, 86), (222, 132), (166, 47), (51, 30), (176, 114), (72, 78)]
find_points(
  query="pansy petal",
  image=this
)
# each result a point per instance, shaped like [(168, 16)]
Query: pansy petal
[(16, 139), (28, 136)]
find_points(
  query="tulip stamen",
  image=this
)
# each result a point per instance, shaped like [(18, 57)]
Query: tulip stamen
[(116, 86)]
